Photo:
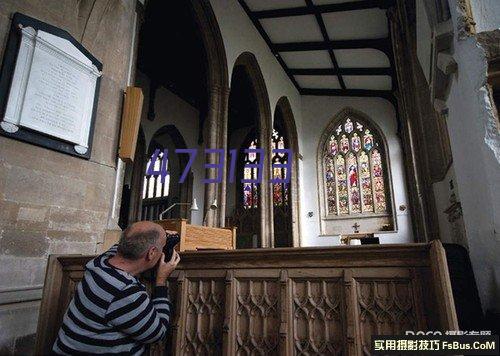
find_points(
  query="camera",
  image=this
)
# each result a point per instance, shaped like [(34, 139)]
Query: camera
[(172, 241)]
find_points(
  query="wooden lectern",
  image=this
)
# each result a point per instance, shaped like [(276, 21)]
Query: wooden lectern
[(195, 237)]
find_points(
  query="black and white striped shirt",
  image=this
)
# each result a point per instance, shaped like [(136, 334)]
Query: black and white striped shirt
[(111, 313)]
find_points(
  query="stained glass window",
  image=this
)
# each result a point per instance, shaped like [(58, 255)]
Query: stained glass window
[(280, 190), (153, 188), (354, 170), (250, 190)]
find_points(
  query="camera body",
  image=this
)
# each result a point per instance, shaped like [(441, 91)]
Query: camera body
[(172, 241)]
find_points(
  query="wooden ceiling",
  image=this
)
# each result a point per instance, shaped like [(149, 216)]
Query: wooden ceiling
[(329, 47)]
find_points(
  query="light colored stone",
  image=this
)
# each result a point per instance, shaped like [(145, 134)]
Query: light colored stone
[(23, 243), (66, 219), (80, 248), (32, 214), (36, 187), (71, 236)]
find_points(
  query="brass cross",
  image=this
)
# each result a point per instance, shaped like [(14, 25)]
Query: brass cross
[(356, 226)]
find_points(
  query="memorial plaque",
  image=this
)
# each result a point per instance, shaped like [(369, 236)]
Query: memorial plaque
[(53, 90)]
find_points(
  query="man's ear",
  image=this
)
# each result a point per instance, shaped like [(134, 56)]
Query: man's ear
[(151, 253)]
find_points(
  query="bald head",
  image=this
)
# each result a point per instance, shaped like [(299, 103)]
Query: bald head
[(139, 237)]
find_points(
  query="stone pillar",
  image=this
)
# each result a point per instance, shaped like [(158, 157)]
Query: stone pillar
[(266, 201), (214, 115), (223, 123)]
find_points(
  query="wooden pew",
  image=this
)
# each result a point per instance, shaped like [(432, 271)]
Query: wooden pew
[(285, 301)]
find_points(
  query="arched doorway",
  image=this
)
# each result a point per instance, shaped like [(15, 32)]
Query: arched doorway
[(157, 195), (249, 125), (192, 68), (285, 196)]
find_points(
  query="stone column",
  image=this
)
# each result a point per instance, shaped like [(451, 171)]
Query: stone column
[(223, 123), (214, 114), (266, 201)]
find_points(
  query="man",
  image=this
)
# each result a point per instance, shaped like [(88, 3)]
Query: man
[(111, 312)]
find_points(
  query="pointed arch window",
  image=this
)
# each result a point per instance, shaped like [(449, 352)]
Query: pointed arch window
[(354, 170), (250, 190), (280, 190), (153, 187)]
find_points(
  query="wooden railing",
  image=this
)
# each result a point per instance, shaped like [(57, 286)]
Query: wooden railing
[(286, 301)]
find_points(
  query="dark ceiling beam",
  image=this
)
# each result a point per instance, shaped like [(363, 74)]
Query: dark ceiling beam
[(382, 44), (387, 94), (326, 38), (271, 46), (306, 10), (342, 71)]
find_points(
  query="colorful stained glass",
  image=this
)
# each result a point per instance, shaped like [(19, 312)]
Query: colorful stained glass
[(330, 185), (333, 146), (280, 190), (344, 144), (368, 140), (250, 190), (378, 182), (353, 170), (366, 183), (352, 167), (355, 142), (343, 195), (348, 126)]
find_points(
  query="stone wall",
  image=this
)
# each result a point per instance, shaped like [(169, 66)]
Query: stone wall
[(51, 202)]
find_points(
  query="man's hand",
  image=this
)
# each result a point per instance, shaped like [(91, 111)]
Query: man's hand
[(164, 269), (170, 232)]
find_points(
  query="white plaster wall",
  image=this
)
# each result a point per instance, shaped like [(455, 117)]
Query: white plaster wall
[(240, 35), (475, 142), (317, 113), (172, 110), (442, 193), (486, 14), (424, 39)]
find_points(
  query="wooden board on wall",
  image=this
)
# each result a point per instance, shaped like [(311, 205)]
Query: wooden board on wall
[(131, 119)]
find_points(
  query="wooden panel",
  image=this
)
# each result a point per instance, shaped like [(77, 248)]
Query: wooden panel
[(202, 237), (195, 237), (286, 301), (257, 316), (203, 317), (318, 323), (131, 119)]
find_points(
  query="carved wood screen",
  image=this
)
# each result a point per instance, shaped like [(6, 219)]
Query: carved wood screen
[(307, 301)]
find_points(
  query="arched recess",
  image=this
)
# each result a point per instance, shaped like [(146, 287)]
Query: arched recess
[(130, 210), (367, 222), (264, 122), (169, 137), (284, 109), (218, 94)]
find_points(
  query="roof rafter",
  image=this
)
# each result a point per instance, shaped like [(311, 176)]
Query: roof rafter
[(342, 71), (387, 94), (324, 33), (270, 44), (382, 44), (306, 10)]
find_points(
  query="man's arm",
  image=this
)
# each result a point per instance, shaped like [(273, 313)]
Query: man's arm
[(142, 318)]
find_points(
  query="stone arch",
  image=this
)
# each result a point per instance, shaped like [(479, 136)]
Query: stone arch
[(185, 189), (249, 62), (218, 94), (341, 115), (283, 104)]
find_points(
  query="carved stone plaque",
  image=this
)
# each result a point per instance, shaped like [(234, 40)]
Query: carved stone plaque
[(53, 89)]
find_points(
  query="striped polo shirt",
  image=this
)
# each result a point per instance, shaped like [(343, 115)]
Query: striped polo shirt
[(111, 313)]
